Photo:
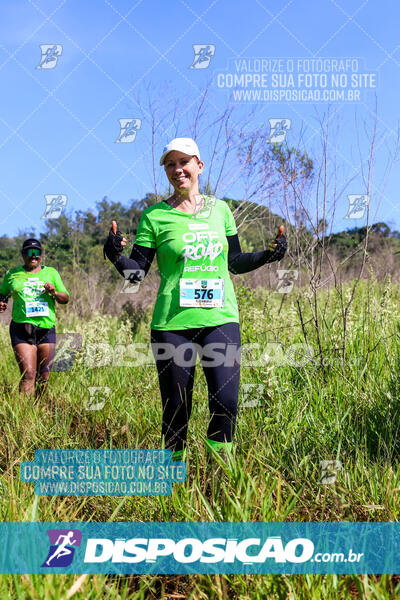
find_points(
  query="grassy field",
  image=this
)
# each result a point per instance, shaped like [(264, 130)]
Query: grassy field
[(348, 410)]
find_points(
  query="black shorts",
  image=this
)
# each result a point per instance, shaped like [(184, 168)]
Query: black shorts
[(26, 333)]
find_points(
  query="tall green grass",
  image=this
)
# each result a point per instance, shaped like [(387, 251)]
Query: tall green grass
[(347, 411)]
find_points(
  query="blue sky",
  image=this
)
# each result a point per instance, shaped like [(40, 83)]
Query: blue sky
[(58, 126)]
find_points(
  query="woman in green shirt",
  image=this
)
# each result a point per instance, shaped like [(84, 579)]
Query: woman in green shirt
[(34, 289), (196, 312)]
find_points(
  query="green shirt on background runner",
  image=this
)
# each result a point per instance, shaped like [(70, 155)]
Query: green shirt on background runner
[(192, 258), (31, 303)]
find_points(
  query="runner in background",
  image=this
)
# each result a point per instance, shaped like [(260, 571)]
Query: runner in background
[(196, 243), (34, 289)]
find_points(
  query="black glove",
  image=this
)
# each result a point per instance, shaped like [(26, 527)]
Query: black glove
[(277, 248), (113, 247), (281, 247)]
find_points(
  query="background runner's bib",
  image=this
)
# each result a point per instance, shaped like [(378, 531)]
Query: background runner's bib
[(37, 309), (192, 247)]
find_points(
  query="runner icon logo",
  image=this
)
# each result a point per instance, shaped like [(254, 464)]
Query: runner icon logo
[(63, 543), (128, 130), (50, 55), (358, 204), (98, 397), (204, 205), (278, 130), (55, 204), (202, 56), (286, 279)]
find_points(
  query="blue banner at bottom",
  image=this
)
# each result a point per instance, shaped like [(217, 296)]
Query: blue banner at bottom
[(177, 548)]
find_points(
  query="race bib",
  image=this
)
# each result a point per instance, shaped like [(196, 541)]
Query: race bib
[(36, 309), (201, 292)]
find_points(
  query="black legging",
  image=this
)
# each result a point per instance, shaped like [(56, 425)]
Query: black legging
[(176, 380)]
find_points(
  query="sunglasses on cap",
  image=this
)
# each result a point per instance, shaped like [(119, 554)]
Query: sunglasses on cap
[(33, 252)]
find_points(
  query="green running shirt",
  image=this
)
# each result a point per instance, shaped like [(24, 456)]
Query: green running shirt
[(189, 246), (31, 304)]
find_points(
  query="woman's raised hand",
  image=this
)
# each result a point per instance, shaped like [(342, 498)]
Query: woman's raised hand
[(279, 245), (114, 244)]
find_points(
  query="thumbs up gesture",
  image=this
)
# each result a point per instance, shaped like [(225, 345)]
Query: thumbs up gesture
[(114, 244), (279, 245)]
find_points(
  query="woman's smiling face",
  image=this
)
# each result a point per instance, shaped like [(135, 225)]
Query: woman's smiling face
[(182, 170)]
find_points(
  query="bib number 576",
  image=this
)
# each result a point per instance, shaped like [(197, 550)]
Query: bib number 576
[(202, 294)]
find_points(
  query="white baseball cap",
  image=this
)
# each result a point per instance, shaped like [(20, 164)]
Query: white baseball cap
[(185, 145)]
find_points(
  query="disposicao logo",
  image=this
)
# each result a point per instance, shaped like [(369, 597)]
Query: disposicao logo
[(62, 547), (189, 550)]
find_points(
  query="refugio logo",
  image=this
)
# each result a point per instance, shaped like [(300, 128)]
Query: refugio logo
[(190, 550)]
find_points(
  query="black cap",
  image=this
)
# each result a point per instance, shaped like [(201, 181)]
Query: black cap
[(31, 243)]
